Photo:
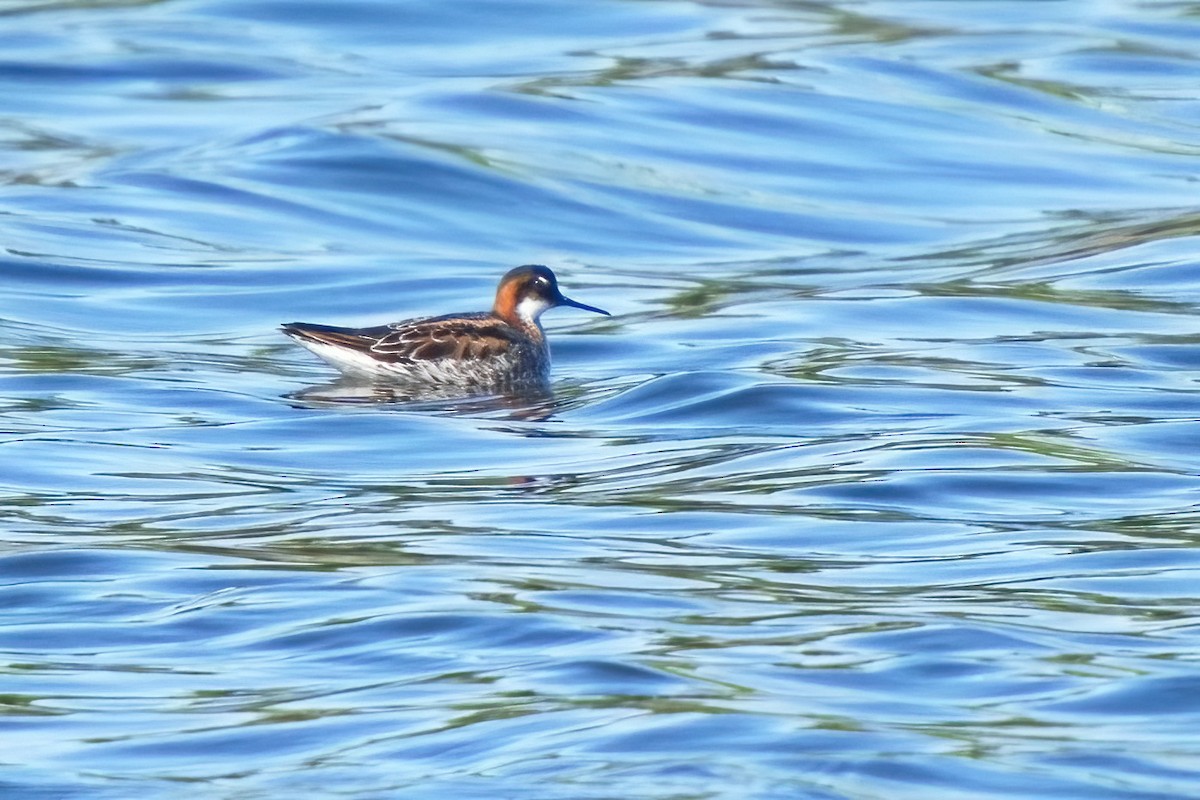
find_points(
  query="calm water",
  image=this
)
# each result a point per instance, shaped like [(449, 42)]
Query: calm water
[(881, 482)]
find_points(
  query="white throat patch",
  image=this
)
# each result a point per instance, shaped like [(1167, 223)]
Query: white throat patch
[(530, 308)]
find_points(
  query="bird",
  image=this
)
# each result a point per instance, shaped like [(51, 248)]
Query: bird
[(496, 350)]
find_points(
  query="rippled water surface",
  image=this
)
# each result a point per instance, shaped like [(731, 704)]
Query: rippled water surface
[(881, 481)]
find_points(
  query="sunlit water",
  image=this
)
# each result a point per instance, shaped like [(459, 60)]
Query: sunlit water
[(881, 482)]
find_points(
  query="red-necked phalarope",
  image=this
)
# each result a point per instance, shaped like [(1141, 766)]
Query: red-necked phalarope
[(485, 350)]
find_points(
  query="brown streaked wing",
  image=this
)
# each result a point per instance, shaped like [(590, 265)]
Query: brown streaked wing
[(462, 337)]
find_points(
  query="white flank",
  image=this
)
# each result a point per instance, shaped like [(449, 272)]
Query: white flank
[(445, 371)]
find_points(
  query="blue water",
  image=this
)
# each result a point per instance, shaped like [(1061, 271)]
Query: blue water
[(881, 482)]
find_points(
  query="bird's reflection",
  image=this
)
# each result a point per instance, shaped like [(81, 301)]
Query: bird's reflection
[(525, 402)]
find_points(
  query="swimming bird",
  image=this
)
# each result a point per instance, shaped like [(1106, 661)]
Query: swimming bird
[(481, 351)]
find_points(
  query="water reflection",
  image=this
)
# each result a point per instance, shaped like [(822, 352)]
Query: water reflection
[(526, 402)]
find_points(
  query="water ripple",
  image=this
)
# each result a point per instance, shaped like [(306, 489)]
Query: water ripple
[(880, 482)]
